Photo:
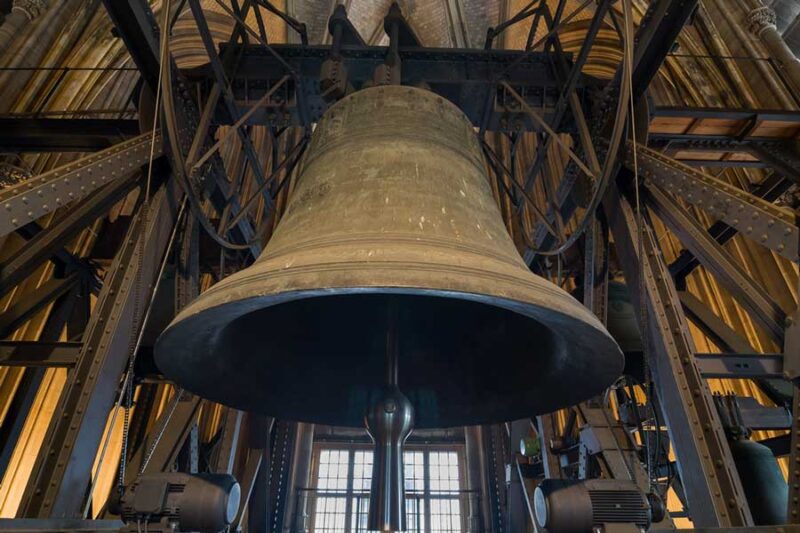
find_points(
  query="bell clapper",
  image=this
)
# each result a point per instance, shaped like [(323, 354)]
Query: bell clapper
[(389, 421)]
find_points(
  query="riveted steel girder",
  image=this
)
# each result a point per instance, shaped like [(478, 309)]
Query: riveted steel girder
[(43, 194), (711, 483), (768, 224), (63, 468)]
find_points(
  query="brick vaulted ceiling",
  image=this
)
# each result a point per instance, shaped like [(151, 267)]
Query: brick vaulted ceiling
[(438, 23)]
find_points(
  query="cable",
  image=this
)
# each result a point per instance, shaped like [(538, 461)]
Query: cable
[(176, 399), (179, 168), (628, 27), (162, 55), (610, 160), (126, 392), (128, 385), (128, 378)]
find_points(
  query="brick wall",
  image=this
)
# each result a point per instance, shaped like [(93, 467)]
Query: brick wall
[(429, 18)]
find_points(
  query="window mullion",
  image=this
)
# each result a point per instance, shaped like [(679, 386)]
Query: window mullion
[(348, 508), (426, 500)]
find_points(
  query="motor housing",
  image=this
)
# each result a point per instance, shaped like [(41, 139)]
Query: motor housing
[(188, 502), (568, 506)]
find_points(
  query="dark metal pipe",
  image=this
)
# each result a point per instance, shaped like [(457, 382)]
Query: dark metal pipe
[(389, 422)]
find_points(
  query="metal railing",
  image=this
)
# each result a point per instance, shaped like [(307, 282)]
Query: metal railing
[(318, 511)]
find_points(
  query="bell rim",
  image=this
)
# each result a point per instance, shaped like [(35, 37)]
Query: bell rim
[(592, 381), (401, 277)]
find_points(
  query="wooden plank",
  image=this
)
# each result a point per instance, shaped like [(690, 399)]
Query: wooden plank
[(675, 125), (776, 129)]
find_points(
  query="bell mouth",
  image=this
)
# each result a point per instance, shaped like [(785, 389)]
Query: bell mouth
[(319, 355)]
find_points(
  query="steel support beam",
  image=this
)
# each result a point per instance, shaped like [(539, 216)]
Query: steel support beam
[(34, 301), (758, 417), (791, 352), (267, 510), (603, 435), (50, 240), (161, 446), (28, 388), (159, 449), (778, 445), (740, 365), (765, 223), (769, 190), (43, 194), (62, 469), (595, 282), (465, 77), (713, 326), (187, 271), (793, 513), (229, 441), (725, 113), (495, 449), (705, 143), (784, 157), (758, 303), (64, 134), (39, 354), (300, 475), (137, 27), (712, 486), (62, 259), (474, 457), (659, 29)]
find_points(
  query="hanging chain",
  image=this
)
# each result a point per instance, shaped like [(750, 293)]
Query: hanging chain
[(176, 399), (128, 383), (138, 323)]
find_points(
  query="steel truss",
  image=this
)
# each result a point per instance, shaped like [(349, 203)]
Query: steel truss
[(503, 92)]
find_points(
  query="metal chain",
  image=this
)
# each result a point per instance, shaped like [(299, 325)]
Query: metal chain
[(127, 383), (282, 465), (173, 406), (128, 377), (498, 503)]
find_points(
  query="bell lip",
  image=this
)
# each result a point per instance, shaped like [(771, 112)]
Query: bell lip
[(597, 378)]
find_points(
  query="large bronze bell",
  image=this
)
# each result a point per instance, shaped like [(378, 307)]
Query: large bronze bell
[(392, 210), (391, 296)]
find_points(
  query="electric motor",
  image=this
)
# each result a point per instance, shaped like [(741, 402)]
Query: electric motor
[(193, 502), (566, 506)]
